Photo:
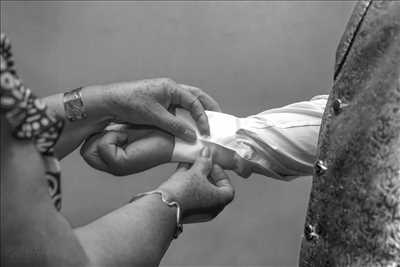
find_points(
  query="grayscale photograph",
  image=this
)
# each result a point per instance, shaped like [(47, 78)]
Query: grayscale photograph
[(200, 133)]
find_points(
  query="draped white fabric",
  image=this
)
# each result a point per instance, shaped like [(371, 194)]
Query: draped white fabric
[(280, 143)]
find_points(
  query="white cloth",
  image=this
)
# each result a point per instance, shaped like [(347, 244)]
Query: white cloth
[(280, 143)]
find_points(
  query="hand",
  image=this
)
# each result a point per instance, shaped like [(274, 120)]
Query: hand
[(203, 190), (147, 102), (128, 149)]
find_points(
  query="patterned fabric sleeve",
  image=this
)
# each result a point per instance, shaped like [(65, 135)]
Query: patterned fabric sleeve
[(29, 118)]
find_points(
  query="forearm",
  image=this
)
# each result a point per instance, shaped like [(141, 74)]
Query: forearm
[(76, 131), (32, 231), (137, 234), (279, 143)]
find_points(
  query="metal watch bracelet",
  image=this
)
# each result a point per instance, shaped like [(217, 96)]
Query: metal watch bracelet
[(73, 105), (179, 226)]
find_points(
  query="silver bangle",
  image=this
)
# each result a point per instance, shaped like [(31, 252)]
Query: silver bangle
[(73, 105), (179, 226)]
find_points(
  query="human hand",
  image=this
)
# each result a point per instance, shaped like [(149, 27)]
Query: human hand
[(128, 149), (147, 102), (203, 190)]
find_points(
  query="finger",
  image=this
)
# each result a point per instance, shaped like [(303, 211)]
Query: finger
[(91, 143), (150, 151), (111, 151), (206, 100), (223, 183), (219, 176), (242, 168), (203, 163), (190, 102), (90, 153), (170, 123), (134, 131)]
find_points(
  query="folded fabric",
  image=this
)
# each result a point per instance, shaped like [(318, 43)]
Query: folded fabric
[(280, 143)]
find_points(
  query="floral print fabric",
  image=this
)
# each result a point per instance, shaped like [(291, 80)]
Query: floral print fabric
[(29, 118)]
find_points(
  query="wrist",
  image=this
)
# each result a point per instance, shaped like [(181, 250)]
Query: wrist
[(155, 201), (169, 203), (94, 98), (174, 194)]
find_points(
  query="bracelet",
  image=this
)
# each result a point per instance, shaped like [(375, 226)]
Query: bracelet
[(179, 226), (73, 105)]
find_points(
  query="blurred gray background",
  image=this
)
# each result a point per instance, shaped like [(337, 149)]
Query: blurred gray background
[(250, 56)]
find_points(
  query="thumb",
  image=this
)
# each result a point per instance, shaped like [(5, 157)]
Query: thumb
[(110, 149), (223, 183), (203, 163), (172, 124)]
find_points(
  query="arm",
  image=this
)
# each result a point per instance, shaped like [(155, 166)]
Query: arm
[(279, 143), (28, 214), (34, 233), (141, 102), (75, 132), (137, 234)]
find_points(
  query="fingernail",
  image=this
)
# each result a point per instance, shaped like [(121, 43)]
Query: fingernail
[(191, 135), (205, 152)]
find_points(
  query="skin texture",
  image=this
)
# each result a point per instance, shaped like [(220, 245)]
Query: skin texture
[(200, 189), (32, 231), (124, 237), (138, 234), (146, 102), (128, 150)]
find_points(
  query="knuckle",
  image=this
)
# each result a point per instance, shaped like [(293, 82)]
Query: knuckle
[(117, 171), (88, 159), (167, 82), (176, 127), (204, 164), (196, 176), (195, 172), (83, 151), (196, 103), (228, 196), (196, 106)]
